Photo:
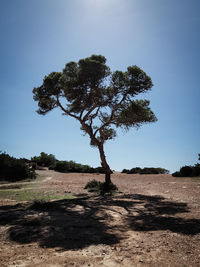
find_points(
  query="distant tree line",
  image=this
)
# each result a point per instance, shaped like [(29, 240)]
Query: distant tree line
[(44, 160), (12, 169), (50, 161), (188, 171), (138, 170), (72, 166)]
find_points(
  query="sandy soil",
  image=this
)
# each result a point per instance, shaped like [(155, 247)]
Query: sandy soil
[(154, 221)]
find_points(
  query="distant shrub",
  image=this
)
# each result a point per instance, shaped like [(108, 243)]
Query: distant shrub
[(196, 170), (188, 171), (135, 170), (149, 171), (125, 170), (139, 170), (12, 169), (102, 188), (162, 171), (61, 166), (71, 166), (94, 184), (99, 170), (176, 174), (44, 159)]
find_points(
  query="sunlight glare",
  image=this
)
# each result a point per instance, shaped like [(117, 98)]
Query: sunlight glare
[(99, 5)]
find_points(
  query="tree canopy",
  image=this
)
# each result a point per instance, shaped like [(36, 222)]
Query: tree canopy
[(101, 100)]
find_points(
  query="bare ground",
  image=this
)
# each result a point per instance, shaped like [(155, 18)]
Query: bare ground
[(154, 221)]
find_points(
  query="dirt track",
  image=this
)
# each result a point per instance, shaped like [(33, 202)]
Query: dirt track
[(155, 221)]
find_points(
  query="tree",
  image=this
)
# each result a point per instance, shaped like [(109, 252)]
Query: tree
[(99, 99), (13, 169), (44, 159)]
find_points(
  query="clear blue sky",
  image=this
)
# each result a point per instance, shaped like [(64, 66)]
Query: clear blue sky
[(160, 36)]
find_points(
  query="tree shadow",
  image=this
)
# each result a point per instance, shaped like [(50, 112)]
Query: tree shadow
[(77, 223), (69, 224), (153, 213)]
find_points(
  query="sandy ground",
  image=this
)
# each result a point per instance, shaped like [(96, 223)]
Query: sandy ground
[(154, 221)]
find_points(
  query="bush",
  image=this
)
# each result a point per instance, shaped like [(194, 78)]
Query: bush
[(125, 171), (44, 159), (134, 170), (102, 188), (71, 166), (145, 171), (12, 169), (61, 166), (188, 171), (94, 184), (176, 174), (149, 171), (196, 170)]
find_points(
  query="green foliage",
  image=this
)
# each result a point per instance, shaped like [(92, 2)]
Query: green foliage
[(31, 194), (99, 99), (125, 171), (93, 185), (44, 159), (102, 188), (71, 166), (176, 174), (145, 171), (108, 188), (188, 171), (12, 169)]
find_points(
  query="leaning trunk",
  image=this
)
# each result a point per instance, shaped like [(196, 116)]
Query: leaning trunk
[(105, 165)]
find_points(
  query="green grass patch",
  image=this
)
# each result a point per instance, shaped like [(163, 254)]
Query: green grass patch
[(31, 194)]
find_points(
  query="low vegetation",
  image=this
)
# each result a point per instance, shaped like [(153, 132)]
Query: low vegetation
[(44, 160), (29, 195), (101, 188), (71, 166), (188, 171), (139, 170), (50, 161), (13, 169)]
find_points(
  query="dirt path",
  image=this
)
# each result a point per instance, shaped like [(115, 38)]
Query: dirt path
[(155, 221), (22, 183)]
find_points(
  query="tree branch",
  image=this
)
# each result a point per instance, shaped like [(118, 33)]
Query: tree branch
[(89, 96), (94, 116), (65, 110), (89, 112), (111, 116)]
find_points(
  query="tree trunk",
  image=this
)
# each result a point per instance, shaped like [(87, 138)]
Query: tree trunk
[(105, 165)]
